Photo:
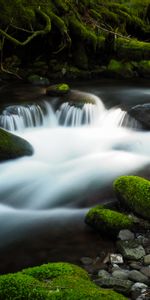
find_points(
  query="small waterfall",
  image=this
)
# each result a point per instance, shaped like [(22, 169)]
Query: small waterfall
[(73, 114), (68, 115), (18, 117)]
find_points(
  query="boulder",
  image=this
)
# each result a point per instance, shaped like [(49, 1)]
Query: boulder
[(107, 221), (12, 146), (133, 192), (141, 113)]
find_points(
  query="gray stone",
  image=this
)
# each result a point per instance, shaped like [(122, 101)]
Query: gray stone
[(137, 276), (131, 249), (147, 260), (145, 271), (119, 285), (137, 289), (116, 258), (86, 260), (103, 274), (136, 265), (139, 286), (125, 234), (121, 274), (115, 267)]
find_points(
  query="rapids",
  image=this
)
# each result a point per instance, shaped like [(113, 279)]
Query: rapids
[(77, 152)]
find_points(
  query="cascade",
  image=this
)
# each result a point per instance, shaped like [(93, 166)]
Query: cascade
[(71, 161)]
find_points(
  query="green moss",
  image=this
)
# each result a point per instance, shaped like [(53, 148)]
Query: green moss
[(120, 69), (12, 146), (55, 281), (134, 192), (83, 32), (143, 68), (107, 221), (75, 288), (63, 87), (21, 287), (52, 270), (58, 89), (132, 49)]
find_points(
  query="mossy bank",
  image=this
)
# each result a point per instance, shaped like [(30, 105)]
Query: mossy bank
[(73, 39), (61, 281)]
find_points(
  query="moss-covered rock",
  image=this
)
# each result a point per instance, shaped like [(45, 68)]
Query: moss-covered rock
[(134, 193), (56, 281), (132, 49), (12, 146), (58, 89), (143, 68), (120, 69), (107, 221)]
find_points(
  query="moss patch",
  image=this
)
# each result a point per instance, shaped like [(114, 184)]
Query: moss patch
[(56, 281), (58, 89), (134, 192), (52, 270), (120, 69), (107, 221)]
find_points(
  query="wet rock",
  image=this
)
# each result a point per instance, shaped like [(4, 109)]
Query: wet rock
[(121, 274), (86, 260), (137, 289), (131, 249), (141, 113), (136, 265), (145, 271), (122, 286), (137, 276), (12, 146), (103, 274), (126, 234), (116, 259), (147, 260)]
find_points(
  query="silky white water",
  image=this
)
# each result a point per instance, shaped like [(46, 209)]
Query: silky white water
[(77, 151)]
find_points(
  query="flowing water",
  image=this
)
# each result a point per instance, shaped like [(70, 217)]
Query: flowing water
[(78, 151)]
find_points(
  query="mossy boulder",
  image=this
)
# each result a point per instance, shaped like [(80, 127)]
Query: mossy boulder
[(120, 69), (12, 146), (54, 281), (107, 221), (134, 193), (58, 89)]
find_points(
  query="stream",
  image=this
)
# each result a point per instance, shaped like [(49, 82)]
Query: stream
[(78, 152)]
